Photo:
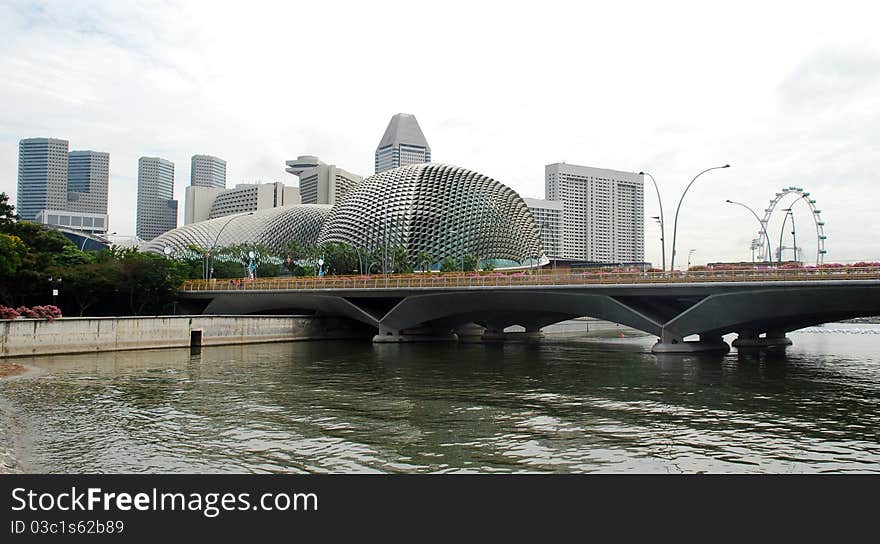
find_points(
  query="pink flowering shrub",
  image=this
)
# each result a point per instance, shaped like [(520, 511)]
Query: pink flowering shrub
[(27, 312), (49, 312)]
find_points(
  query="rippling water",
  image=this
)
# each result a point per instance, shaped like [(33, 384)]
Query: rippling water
[(567, 404)]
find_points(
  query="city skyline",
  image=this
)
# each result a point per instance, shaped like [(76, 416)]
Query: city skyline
[(791, 106)]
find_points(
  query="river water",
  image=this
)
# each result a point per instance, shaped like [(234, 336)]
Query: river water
[(571, 403)]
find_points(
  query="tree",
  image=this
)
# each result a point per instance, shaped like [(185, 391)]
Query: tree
[(12, 253), (488, 266), (448, 265), (469, 262), (400, 261), (424, 260), (7, 211)]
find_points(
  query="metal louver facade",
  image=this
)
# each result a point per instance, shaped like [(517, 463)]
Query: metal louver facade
[(273, 227), (440, 209)]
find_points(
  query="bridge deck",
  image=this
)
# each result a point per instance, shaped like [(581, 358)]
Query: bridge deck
[(536, 278)]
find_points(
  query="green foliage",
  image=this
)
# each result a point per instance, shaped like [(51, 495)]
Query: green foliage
[(7, 211), (400, 261), (339, 258), (488, 266), (12, 253), (448, 265), (469, 262), (424, 260)]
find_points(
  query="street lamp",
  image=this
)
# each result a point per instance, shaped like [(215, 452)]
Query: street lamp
[(252, 269), (690, 254), (788, 213), (660, 218), (209, 268), (760, 222), (677, 209), (167, 251), (54, 282)]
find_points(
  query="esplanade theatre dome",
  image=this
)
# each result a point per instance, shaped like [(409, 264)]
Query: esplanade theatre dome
[(272, 227), (440, 209)]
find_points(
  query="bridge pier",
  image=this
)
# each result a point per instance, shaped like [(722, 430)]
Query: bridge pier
[(425, 334), (708, 343), (749, 339), (530, 334), (470, 333)]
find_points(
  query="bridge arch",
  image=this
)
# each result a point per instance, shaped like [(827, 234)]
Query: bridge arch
[(539, 308)]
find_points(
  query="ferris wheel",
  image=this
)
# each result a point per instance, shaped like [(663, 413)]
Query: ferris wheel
[(762, 243)]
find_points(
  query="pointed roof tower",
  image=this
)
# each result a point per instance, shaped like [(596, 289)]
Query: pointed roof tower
[(403, 143)]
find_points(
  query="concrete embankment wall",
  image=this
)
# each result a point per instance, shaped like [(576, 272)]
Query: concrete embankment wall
[(20, 337)]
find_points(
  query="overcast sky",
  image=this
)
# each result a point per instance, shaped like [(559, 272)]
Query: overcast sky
[(787, 93)]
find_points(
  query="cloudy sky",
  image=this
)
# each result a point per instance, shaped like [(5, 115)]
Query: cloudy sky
[(788, 93)]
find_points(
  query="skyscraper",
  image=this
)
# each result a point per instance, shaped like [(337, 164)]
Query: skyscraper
[(42, 176), (403, 143), (603, 212), (548, 217), (88, 174), (321, 183), (156, 207), (207, 171)]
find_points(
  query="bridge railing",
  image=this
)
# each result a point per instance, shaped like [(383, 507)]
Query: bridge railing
[(537, 277)]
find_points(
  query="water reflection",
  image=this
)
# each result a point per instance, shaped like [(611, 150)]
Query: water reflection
[(565, 404)]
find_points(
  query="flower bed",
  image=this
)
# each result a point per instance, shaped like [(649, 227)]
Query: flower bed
[(37, 312)]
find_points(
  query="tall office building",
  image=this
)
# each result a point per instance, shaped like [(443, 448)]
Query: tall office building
[(88, 175), (403, 143), (548, 217), (204, 203), (156, 207), (321, 183), (207, 171), (603, 212), (42, 176)]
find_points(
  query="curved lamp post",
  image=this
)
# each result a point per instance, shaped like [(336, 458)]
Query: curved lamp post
[(788, 213), (763, 228), (662, 227), (678, 209), (209, 269)]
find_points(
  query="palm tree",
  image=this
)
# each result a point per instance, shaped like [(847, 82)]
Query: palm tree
[(424, 259)]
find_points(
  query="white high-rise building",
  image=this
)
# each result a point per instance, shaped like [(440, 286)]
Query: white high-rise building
[(42, 176), (321, 183), (204, 203), (603, 212), (403, 143), (548, 217), (207, 171), (156, 207), (60, 188)]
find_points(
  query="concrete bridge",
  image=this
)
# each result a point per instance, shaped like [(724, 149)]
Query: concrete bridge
[(759, 306)]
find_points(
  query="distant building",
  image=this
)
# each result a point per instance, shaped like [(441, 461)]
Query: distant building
[(548, 216), (207, 171), (60, 188), (603, 212), (321, 183), (156, 207), (403, 143), (204, 203), (42, 176), (88, 176), (81, 221)]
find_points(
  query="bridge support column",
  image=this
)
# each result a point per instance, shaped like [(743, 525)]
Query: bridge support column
[(391, 336), (470, 333), (531, 334), (749, 339), (708, 343)]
